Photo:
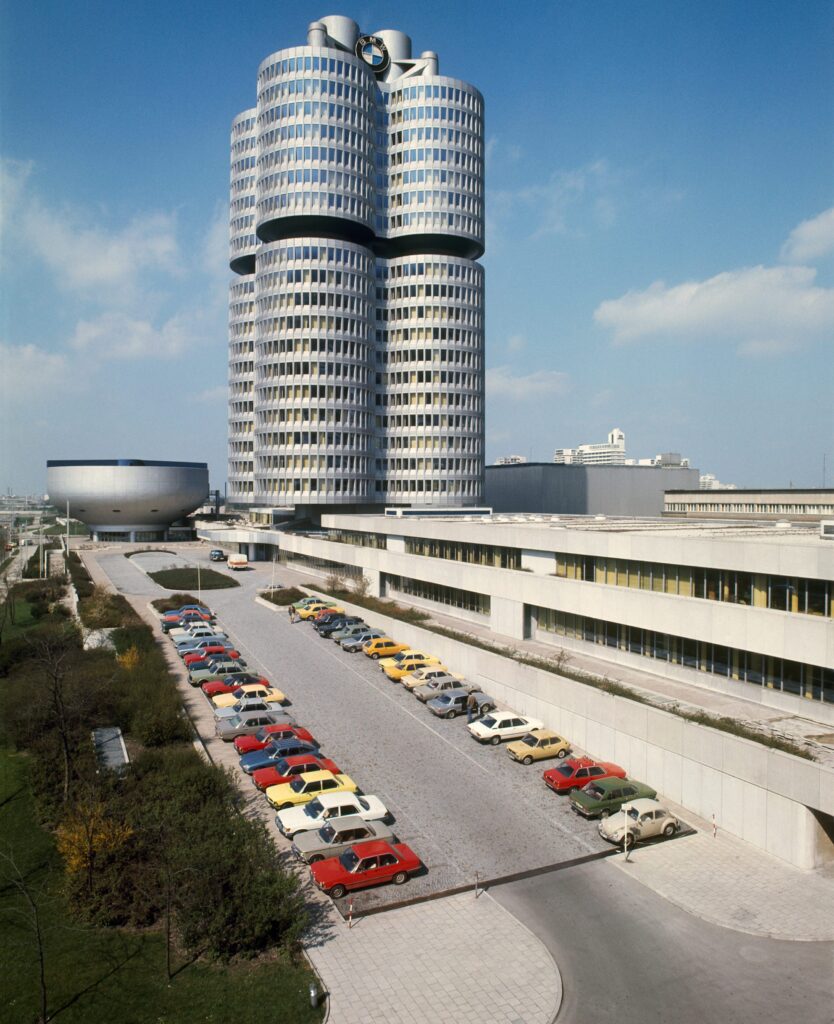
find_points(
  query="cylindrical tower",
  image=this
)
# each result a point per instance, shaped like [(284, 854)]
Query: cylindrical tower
[(357, 326)]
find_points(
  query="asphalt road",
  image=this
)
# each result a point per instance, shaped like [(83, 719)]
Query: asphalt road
[(628, 956)]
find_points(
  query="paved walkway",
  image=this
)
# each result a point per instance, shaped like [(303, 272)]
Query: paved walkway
[(461, 960)]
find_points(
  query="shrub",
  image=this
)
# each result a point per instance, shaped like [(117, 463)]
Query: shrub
[(102, 610), (174, 579), (283, 597), (170, 604)]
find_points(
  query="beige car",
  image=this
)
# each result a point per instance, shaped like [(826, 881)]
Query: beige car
[(421, 676), (538, 745), (644, 819)]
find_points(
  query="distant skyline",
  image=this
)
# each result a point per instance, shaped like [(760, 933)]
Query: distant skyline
[(660, 241)]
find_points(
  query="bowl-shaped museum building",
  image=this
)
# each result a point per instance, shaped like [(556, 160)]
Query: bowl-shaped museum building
[(127, 499)]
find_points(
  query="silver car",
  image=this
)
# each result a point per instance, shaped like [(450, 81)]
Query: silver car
[(244, 704), (247, 723), (434, 687), (355, 643), (338, 835)]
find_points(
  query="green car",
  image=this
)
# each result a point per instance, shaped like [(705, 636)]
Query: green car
[(599, 799)]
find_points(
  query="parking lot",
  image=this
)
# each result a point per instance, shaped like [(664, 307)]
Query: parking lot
[(464, 808)]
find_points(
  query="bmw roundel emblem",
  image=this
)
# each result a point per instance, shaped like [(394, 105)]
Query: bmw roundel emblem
[(373, 52)]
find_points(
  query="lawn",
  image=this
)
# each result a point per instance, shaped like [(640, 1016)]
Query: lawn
[(186, 579), (95, 976)]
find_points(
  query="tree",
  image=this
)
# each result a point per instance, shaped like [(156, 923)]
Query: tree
[(86, 833), (30, 913)]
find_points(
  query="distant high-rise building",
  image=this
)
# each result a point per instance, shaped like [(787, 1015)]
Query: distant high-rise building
[(511, 460), (356, 321), (612, 453)]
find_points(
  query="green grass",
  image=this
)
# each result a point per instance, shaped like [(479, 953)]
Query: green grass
[(186, 579), (76, 530), (95, 976)]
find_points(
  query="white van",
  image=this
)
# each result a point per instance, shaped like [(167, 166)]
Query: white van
[(237, 562)]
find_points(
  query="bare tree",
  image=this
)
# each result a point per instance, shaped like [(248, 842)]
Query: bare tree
[(51, 651), (30, 912)]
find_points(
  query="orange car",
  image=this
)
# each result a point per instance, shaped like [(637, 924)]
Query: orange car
[(383, 647)]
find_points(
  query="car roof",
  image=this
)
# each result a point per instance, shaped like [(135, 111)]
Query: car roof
[(328, 800), (543, 734), (349, 821), (644, 804), (316, 776), (372, 848)]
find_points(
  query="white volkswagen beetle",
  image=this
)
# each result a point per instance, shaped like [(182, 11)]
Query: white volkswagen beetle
[(643, 818)]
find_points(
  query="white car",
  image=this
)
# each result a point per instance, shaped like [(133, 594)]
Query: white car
[(503, 725), (329, 805), (644, 819)]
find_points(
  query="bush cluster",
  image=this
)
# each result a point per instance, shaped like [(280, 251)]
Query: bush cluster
[(378, 604), (81, 579), (102, 610), (284, 596), (32, 568), (170, 604)]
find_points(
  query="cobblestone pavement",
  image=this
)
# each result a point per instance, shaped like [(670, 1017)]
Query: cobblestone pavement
[(461, 960), (729, 883)]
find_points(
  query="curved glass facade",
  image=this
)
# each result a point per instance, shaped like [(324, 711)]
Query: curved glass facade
[(356, 219)]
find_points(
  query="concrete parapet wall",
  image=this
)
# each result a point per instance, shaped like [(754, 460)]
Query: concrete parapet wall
[(761, 795)]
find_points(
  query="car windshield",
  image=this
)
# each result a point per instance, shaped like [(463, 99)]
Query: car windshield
[(281, 766), (364, 804), (488, 722), (327, 833), (239, 692), (314, 808), (530, 740), (566, 770), (349, 860), (234, 721), (593, 790), (297, 785), (633, 813)]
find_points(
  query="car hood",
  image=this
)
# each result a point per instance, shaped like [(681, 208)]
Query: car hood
[(307, 842), (328, 872), (296, 817)]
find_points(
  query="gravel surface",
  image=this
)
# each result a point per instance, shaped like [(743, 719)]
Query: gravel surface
[(463, 807)]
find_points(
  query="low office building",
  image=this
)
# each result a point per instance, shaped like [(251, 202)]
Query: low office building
[(127, 499), (553, 489), (810, 505)]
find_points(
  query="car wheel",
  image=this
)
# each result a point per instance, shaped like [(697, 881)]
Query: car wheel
[(486, 708), (670, 829), (527, 760), (400, 877), (604, 814), (315, 858), (561, 754), (495, 741), (450, 714), (337, 892), (375, 657)]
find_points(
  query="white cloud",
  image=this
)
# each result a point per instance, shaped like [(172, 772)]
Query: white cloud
[(30, 372), (501, 382), (767, 347), (810, 240), (118, 336), (756, 308), (13, 177)]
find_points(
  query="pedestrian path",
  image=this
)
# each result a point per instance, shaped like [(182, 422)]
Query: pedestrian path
[(726, 881), (461, 960)]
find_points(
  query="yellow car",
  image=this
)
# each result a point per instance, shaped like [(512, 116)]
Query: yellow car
[(383, 647), (421, 676), (408, 661), (267, 693), (312, 610), (538, 745), (307, 787)]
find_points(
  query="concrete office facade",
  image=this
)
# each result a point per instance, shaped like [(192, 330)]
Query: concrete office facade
[(127, 499), (356, 325), (796, 505), (553, 489)]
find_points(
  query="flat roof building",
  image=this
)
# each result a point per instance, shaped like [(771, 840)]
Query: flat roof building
[(356, 321), (796, 505)]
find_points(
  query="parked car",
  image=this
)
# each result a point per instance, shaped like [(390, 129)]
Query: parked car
[(638, 820), (237, 562), (211, 672), (270, 694), (502, 725), (440, 684), (189, 658), (409, 652), (276, 751), (306, 601), (184, 609), (245, 704), (232, 683), (421, 676), (408, 662), (248, 723), (537, 746), (348, 632), (203, 643), (334, 837), (453, 703), (599, 799), (357, 643), (187, 628), (328, 807), (341, 622), (286, 768), (310, 611), (246, 744), (383, 647), (217, 555), (576, 772), (364, 865), (304, 787), (199, 637)]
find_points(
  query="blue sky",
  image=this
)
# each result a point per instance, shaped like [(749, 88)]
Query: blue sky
[(660, 246)]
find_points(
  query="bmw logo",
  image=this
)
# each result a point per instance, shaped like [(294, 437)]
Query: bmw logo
[(373, 52)]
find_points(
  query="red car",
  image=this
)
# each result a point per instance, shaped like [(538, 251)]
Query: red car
[(206, 652), (230, 685), (268, 733), (371, 863), (189, 616), (576, 772), (288, 767)]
